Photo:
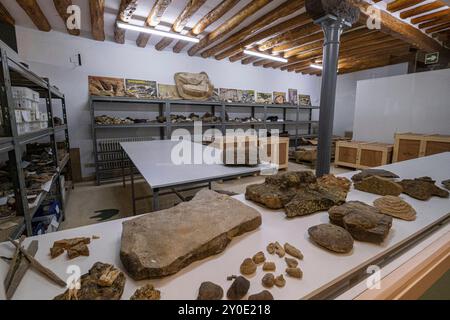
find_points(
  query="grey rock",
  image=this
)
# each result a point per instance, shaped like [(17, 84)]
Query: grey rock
[(210, 291), (332, 237)]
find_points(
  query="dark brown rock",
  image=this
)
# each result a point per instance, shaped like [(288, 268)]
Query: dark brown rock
[(238, 289), (366, 173), (332, 237), (80, 249), (422, 188), (103, 282), (259, 257), (380, 186), (164, 242), (147, 292), (56, 252), (446, 184), (75, 247), (337, 213), (367, 226), (248, 267), (268, 280), (210, 291), (262, 296)]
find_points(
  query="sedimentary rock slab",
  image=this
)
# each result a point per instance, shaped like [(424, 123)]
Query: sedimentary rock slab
[(162, 243), (367, 226), (366, 173), (337, 213), (422, 188), (331, 237), (395, 207), (379, 185), (331, 181)]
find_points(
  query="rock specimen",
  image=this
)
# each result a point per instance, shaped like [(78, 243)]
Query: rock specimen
[(164, 242), (147, 292), (75, 247), (210, 291), (331, 237), (80, 249), (280, 282), (331, 181), (446, 184), (422, 188), (103, 282), (263, 295), (373, 172), (271, 248), (259, 258), (279, 250), (194, 86), (268, 280), (291, 263), (294, 272), (378, 185), (367, 226), (238, 289), (269, 266), (248, 267), (293, 251), (395, 207), (337, 213)]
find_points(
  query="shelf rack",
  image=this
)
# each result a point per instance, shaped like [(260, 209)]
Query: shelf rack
[(13, 73), (165, 108)]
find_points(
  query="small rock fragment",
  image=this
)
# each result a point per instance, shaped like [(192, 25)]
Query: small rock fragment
[(291, 263), (269, 266), (248, 267), (238, 288), (280, 282), (293, 251), (268, 280), (147, 292), (446, 184), (279, 250), (210, 291), (259, 258), (263, 295), (271, 248), (373, 172), (56, 252), (294, 272), (80, 249), (95, 237), (332, 237)]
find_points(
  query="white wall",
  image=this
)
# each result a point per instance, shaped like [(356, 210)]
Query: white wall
[(418, 102)]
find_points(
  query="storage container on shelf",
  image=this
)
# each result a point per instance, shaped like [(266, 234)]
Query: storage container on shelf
[(25, 93)]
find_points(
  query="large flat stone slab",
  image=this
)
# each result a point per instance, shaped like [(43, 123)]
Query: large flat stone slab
[(162, 243)]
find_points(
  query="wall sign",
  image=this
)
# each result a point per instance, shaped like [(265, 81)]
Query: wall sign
[(432, 58)]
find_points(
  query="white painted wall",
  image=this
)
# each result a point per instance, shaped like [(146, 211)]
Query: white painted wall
[(418, 102)]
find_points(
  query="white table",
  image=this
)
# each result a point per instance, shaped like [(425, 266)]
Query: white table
[(322, 269), (153, 160)]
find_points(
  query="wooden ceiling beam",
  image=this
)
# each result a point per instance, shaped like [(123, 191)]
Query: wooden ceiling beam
[(237, 57), (398, 5), (5, 16), (61, 6), (211, 17), (229, 25), (261, 62), (153, 19), (430, 16), (249, 59), (97, 12), (126, 11), (191, 8), (377, 62), (34, 11), (281, 11), (434, 22), (421, 9), (438, 28), (297, 43)]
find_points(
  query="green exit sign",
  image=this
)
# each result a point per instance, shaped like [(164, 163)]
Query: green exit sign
[(432, 58)]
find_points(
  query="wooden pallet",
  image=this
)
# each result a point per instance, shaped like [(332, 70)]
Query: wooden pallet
[(411, 145), (362, 155)]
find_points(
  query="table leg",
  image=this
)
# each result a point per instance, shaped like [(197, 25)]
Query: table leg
[(155, 200), (210, 185), (133, 198), (123, 170)]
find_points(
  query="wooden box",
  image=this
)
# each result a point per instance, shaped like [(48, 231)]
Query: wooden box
[(362, 155), (283, 151), (411, 145)]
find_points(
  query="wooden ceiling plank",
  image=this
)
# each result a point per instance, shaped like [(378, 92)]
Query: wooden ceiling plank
[(153, 19), (34, 11), (5, 16), (297, 43), (398, 5), (249, 59), (97, 12), (211, 17), (290, 35), (228, 25), (237, 57), (421, 9), (434, 22), (281, 11), (438, 28), (261, 62), (125, 13), (191, 8), (430, 16), (61, 6)]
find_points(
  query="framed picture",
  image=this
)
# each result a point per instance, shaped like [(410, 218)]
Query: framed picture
[(168, 91), (293, 97), (228, 95), (246, 96), (304, 100), (106, 86), (262, 97), (143, 89), (279, 97)]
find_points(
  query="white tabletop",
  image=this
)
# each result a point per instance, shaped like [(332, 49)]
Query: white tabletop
[(320, 267), (154, 162)]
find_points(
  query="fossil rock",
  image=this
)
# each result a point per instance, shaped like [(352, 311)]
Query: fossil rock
[(194, 86), (147, 292), (74, 247), (268, 280), (269, 266), (446, 184), (56, 252), (337, 213), (331, 181), (259, 258), (279, 250), (367, 226), (248, 267), (291, 263), (422, 188), (210, 291), (294, 272), (238, 289), (395, 207), (366, 173), (378, 185), (80, 249), (280, 282), (103, 282), (331, 237), (271, 248), (293, 251), (263, 295), (164, 242)]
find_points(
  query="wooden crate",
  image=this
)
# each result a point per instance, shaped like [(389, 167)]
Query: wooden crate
[(283, 151), (362, 155), (411, 145)]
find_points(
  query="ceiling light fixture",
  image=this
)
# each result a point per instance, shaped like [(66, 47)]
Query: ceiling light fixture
[(316, 66), (134, 27), (265, 56)]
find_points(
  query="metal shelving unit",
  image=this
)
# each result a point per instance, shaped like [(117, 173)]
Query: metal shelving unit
[(165, 108), (13, 73)]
